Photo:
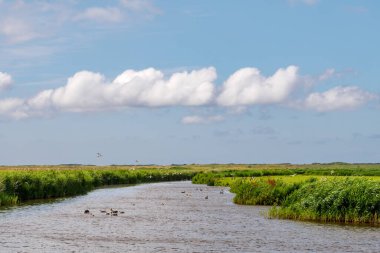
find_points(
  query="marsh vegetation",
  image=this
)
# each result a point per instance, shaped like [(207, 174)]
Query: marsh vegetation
[(334, 192), (342, 195), (22, 184)]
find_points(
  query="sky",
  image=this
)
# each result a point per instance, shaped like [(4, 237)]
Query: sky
[(181, 82)]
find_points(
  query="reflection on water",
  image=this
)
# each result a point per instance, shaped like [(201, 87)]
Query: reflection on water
[(169, 217)]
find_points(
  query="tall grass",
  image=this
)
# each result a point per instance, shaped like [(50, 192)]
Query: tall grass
[(353, 199), (350, 200), (209, 178), (262, 191), (41, 184), (6, 199)]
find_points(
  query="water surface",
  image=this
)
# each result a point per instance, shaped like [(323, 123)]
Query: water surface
[(169, 217)]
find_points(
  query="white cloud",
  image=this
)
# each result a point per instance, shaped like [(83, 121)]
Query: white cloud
[(98, 14), (309, 81), (338, 98), (5, 80), (196, 119), (88, 91), (248, 87), (23, 21), (329, 73), (140, 6), (16, 30), (13, 108), (149, 88)]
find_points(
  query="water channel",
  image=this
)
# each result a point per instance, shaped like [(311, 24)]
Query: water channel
[(169, 217)]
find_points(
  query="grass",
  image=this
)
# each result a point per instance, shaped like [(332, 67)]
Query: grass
[(351, 200), (21, 185)]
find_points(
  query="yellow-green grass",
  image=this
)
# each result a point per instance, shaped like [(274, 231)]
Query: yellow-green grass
[(228, 181)]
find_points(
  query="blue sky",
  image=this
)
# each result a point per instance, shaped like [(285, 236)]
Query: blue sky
[(167, 82)]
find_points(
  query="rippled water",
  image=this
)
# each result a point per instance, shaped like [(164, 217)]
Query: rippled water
[(161, 218)]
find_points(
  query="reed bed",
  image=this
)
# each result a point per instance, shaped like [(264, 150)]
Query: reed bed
[(334, 192), (22, 185), (352, 200), (313, 197)]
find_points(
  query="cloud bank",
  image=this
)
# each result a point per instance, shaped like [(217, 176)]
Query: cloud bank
[(88, 91)]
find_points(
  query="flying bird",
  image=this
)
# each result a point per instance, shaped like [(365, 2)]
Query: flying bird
[(99, 155)]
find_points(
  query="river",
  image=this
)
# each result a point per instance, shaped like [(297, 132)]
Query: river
[(169, 217)]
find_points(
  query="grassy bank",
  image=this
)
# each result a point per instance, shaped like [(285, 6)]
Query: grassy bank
[(348, 200), (309, 196), (26, 184)]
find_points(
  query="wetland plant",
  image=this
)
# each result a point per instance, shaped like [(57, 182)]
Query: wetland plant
[(349, 200)]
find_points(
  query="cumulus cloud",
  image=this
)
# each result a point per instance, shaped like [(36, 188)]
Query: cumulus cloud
[(89, 91), (5, 80), (248, 87), (338, 98), (196, 119)]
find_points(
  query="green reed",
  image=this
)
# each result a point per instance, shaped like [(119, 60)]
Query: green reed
[(349, 200), (332, 198), (21, 185)]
